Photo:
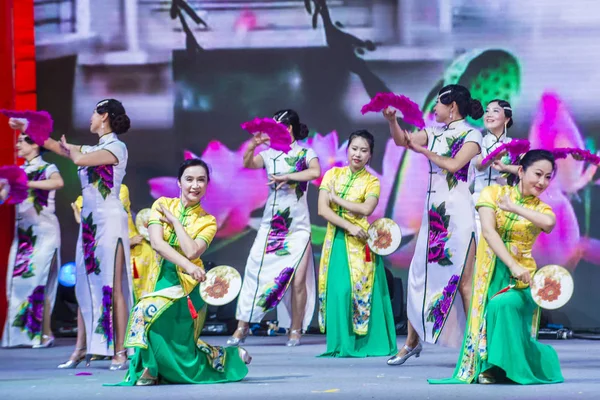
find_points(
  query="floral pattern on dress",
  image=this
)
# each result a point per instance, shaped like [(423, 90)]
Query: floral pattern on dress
[(297, 164), (215, 354), (38, 197), (102, 177), (88, 237), (440, 305), (439, 235), (105, 326), (454, 146), (26, 243), (31, 314), (280, 228), (274, 293)]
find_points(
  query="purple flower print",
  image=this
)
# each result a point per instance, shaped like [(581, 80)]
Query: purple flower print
[(23, 262), (273, 295), (30, 316), (101, 176), (454, 146), (88, 239), (441, 305), (105, 321), (297, 164), (38, 197), (438, 236), (280, 227)]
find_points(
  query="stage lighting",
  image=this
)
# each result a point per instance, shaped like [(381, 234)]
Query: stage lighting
[(66, 275)]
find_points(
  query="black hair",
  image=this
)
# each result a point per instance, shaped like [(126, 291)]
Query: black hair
[(193, 162), (291, 118), (507, 110), (119, 121), (365, 134), (30, 141), (530, 158), (467, 106)]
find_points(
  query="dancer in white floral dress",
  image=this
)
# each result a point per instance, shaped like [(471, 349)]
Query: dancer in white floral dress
[(35, 254), (281, 255), (442, 264)]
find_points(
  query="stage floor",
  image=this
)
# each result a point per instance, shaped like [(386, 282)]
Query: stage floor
[(284, 373)]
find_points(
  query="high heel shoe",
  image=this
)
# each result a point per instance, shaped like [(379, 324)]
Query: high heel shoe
[(72, 364), (397, 360), (119, 366), (146, 379), (486, 379), (234, 341), (244, 355), (49, 343), (294, 342)]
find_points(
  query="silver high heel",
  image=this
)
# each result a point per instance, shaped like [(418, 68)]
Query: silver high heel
[(233, 341), (72, 364), (397, 360), (244, 355), (119, 366), (49, 343), (294, 342)]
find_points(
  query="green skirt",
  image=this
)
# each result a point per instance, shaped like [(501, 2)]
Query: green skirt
[(380, 339), (512, 351), (172, 354)]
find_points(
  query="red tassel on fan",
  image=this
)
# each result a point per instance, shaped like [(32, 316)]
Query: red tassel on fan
[(136, 275), (367, 254), (193, 312)]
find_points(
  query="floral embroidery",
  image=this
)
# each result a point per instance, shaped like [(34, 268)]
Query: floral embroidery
[(26, 243), (280, 227), (439, 235), (104, 326), (273, 294), (384, 238), (38, 197), (219, 288), (88, 237), (550, 291), (215, 354), (30, 315), (454, 146), (297, 164), (440, 306), (102, 177)]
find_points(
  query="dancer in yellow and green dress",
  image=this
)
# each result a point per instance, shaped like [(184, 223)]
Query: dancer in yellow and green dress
[(500, 341), (355, 309), (164, 326)]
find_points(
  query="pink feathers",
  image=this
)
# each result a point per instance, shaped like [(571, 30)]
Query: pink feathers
[(17, 180), (39, 124), (411, 113), (515, 147), (279, 136), (578, 154)]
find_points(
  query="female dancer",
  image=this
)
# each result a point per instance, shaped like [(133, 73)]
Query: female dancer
[(103, 255), (282, 252), (34, 255), (164, 326), (497, 120), (500, 340), (445, 249), (355, 307)]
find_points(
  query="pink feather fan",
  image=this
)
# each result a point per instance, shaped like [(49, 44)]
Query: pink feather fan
[(279, 136), (17, 181), (38, 126), (411, 113), (515, 148)]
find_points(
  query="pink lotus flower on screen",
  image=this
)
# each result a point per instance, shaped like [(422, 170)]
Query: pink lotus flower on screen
[(233, 193), (408, 195), (563, 246), (554, 127), (329, 152)]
